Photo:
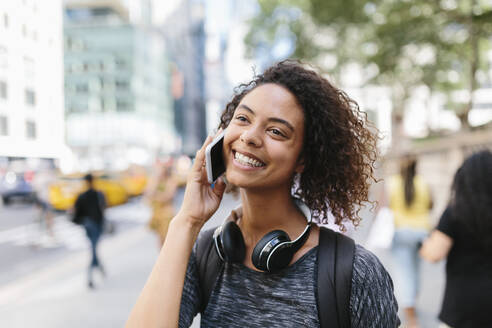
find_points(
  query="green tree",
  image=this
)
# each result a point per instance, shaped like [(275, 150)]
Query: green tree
[(402, 44)]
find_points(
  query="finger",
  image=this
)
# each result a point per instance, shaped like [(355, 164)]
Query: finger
[(200, 155), (203, 176), (219, 187)]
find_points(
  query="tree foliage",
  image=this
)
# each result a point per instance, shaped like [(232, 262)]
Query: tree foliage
[(403, 44)]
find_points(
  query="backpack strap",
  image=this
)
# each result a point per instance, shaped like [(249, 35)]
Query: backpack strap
[(209, 266), (335, 261)]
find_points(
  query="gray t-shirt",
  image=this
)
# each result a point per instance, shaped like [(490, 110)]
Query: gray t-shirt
[(244, 297)]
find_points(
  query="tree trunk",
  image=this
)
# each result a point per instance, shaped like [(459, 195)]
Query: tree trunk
[(474, 62)]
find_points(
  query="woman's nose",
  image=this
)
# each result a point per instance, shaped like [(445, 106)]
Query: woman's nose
[(251, 137)]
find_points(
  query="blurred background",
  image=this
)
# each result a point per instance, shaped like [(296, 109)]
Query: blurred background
[(120, 87)]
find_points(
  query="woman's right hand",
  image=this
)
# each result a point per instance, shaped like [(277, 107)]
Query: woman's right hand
[(201, 200)]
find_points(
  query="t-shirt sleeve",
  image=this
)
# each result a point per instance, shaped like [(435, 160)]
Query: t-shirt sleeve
[(445, 224), (190, 299), (372, 301)]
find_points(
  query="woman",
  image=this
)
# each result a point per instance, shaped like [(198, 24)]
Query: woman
[(464, 237), (287, 125), (160, 194), (410, 202)]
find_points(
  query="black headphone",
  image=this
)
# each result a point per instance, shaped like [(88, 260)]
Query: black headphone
[(272, 253)]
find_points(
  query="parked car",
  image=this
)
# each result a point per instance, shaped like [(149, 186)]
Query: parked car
[(16, 185), (134, 182), (64, 192)]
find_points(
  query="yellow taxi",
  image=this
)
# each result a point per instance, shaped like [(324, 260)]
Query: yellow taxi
[(134, 180), (64, 192)]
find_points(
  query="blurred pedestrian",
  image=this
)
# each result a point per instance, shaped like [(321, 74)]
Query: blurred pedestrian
[(463, 236), (41, 183), (287, 124), (89, 210), (410, 201), (182, 168), (160, 194)]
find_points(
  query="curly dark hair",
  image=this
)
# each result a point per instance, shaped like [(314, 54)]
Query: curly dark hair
[(339, 149), (471, 197)]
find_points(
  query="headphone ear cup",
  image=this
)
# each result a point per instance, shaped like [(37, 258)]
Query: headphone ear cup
[(260, 256), (233, 242), (280, 258)]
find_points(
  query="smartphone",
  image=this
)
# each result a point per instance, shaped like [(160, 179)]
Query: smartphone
[(214, 158)]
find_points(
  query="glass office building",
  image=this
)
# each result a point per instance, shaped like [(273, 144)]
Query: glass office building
[(117, 87)]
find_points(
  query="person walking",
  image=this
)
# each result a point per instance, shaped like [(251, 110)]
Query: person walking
[(463, 237), (160, 194), (89, 210), (41, 183), (410, 201), (297, 148)]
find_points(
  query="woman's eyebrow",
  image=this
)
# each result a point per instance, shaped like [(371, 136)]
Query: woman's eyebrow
[(271, 119), (247, 108)]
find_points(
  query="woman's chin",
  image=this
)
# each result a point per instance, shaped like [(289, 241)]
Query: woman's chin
[(234, 180), (239, 180)]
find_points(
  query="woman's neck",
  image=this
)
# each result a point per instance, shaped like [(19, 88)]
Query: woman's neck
[(263, 212)]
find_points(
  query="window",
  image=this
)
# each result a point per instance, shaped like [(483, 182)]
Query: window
[(121, 85), (107, 84), (102, 105), (30, 97), (123, 106), (76, 67), (24, 30), (4, 127), (30, 130), (120, 63), (78, 105), (5, 20), (82, 88), (3, 90)]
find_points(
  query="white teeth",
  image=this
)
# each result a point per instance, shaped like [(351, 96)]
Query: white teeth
[(245, 160)]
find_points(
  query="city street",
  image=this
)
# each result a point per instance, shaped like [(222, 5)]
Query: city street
[(341, 99), (45, 285)]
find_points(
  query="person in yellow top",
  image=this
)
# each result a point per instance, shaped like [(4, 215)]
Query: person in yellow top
[(410, 201), (160, 194)]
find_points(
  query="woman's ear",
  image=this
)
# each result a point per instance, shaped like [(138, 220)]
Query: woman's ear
[(300, 165)]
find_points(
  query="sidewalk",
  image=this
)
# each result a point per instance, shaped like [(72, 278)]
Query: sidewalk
[(58, 296)]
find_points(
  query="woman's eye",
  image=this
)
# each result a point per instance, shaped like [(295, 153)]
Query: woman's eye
[(277, 132), (241, 118)]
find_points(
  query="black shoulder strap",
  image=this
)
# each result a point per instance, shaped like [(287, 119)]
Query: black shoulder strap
[(335, 260), (209, 265)]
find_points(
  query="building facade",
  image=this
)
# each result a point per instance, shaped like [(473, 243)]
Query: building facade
[(184, 29), (31, 80), (117, 87)]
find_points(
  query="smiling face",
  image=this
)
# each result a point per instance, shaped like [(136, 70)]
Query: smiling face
[(264, 139)]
